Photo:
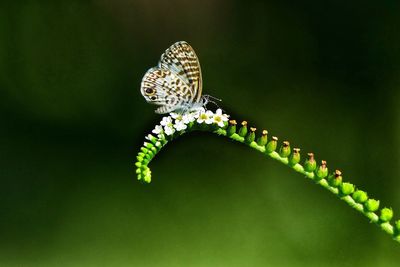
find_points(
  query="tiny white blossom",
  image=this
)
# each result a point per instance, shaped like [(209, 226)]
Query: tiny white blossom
[(188, 117), (166, 120), (197, 112), (168, 125), (158, 129), (205, 117), (180, 125), (169, 129), (176, 116), (220, 118)]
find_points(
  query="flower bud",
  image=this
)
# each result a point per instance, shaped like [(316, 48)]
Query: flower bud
[(146, 175), (294, 158), (262, 140), (386, 214), (144, 150), (154, 149), (271, 145), (138, 164), (151, 138), (336, 179), (322, 170), (310, 164), (231, 128), (371, 205), (346, 188), (243, 129), (148, 145), (251, 135), (284, 151), (147, 178), (148, 156), (360, 196), (158, 144)]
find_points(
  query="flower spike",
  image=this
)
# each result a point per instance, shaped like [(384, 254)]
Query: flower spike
[(176, 124)]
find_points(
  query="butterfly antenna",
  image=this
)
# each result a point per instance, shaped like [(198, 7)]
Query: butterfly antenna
[(212, 99)]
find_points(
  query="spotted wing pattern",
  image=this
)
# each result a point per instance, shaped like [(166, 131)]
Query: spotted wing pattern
[(166, 89), (176, 83), (181, 59)]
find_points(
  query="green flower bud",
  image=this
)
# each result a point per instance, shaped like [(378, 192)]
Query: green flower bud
[(271, 146), (243, 129), (386, 214), (371, 205), (310, 164), (154, 149), (138, 164), (360, 196), (336, 179), (147, 178), (162, 138), (148, 145), (346, 188), (284, 151), (148, 156), (262, 140), (144, 150), (158, 144), (294, 158), (146, 175), (322, 170), (251, 135), (152, 138), (231, 128)]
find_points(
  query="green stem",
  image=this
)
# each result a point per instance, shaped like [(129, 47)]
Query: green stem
[(355, 198)]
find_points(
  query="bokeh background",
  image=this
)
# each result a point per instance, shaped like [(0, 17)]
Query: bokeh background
[(322, 74)]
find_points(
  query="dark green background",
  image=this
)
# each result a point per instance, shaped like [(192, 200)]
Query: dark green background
[(322, 74)]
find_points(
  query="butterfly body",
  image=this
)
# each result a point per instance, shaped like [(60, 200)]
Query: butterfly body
[(175, 85)]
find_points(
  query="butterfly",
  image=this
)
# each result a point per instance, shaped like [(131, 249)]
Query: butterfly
[(175, 85)]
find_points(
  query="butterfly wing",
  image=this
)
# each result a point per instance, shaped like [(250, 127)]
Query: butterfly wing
[(181, 59), (165, 88)]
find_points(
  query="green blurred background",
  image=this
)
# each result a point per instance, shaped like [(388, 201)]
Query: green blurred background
[(321, 74)]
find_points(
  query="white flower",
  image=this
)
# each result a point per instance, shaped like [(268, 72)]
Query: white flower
[(169, 129), (166, 120), (188, 117), (180, 125), (220, 118), (205, 117), (176, 116), (158, 129), (168, 126), (196, 113)]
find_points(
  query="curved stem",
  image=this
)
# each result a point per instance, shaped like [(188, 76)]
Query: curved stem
[(345, 191)]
